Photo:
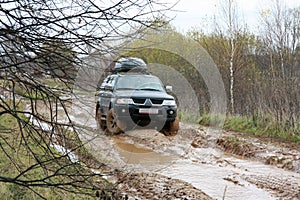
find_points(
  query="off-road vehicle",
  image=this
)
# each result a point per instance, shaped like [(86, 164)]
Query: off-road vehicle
[(130, 97)]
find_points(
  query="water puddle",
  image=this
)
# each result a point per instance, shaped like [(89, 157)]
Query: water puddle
[(72, 156), (132, 148), (213, 180), (48, 128), (223, 176), (218, 174), (145, 158)]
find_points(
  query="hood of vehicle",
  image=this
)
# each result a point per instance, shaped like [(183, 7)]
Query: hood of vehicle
[(143, 94)]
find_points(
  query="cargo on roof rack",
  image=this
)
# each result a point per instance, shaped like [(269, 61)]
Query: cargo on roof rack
[(130, 64)]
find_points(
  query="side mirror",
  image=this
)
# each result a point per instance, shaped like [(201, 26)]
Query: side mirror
[(169, 88), (108, 87)]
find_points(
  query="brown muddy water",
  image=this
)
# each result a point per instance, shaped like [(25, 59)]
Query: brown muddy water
[(135, 154), (220, 175)]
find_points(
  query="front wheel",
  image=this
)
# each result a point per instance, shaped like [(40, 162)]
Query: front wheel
[(171, 128), (112, 122), (100, 123)]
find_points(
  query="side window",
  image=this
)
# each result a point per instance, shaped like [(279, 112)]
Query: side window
[(104, 83), (112, 81), (108, 82)]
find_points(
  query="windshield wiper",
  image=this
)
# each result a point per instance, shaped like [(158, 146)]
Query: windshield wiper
[(150, 89), (125, 88)]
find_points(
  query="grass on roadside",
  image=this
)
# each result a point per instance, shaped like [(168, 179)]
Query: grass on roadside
[(260, 126), (30, 154), (188, 117)]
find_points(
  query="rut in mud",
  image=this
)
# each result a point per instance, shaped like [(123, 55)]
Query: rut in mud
[(197, 161), (208, 161)]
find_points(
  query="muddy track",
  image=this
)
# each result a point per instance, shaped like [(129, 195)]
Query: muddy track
[(282, 154), (197, 161), (155, 186), (207, 161)]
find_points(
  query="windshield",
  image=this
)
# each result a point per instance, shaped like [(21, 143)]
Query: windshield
[(150, 83)]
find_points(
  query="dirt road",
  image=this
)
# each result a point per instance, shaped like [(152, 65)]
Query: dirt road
[(223, 165)]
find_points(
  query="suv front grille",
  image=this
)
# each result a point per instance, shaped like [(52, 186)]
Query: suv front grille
[(143, 101), (138, 101), (157, 101)]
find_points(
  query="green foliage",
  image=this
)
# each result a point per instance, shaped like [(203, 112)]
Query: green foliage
[(261, 126), (188, 117), (38, 168), (264, 99), (13, 191)]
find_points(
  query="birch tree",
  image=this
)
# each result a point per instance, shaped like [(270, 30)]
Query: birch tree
[(231, 33), (231, 21)]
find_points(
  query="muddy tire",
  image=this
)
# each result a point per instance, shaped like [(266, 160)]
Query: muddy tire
[(171, 128), (112, 122), (101, 124)]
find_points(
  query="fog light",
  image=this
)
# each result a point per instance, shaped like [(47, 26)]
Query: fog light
[(171, 112), (123, 110)]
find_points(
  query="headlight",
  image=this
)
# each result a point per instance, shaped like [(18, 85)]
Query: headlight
[(169, 103), (125, 101)]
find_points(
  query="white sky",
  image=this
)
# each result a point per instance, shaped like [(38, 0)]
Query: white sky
[(198, 13)]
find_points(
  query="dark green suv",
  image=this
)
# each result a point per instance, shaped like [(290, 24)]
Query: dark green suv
[(133, 99)]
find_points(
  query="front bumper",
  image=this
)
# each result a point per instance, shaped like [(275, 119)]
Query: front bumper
[(137, 113)]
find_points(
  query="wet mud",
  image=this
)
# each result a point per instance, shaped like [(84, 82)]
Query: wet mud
[(212, 164), (217, 163)]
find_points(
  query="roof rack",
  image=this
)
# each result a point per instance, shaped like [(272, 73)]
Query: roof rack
[(130, 65)]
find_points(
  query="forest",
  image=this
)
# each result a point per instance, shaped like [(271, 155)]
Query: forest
[(260, 72)]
